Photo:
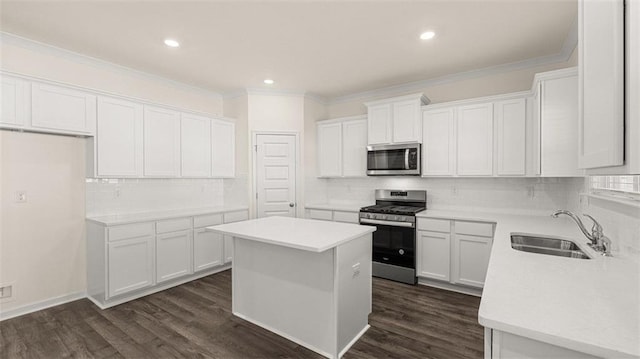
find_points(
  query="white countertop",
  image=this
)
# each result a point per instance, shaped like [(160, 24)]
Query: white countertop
[(338, 206), (590, 306), (116, 219), (305, 234)]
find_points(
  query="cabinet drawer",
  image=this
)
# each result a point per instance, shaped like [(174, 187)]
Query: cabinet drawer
[(474, 228), (173, 225), (349, 217), (320, 214), (236, 216), (130, 231), (207, 220), (434, 225)]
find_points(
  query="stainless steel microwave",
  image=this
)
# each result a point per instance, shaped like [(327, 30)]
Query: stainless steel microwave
[(393, 160)]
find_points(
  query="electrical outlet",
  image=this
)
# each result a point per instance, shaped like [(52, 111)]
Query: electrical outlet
[(6, 292), (116, 193), (21, 196), (356, 269)]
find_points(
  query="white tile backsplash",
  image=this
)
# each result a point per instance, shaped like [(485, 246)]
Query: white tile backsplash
[(506, 195), (112, 196)]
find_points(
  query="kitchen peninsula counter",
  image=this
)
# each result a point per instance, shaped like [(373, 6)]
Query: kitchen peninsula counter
[(306, 280)]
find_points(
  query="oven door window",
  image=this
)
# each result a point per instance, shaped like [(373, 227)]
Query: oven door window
[(394, 245), (387, 160)]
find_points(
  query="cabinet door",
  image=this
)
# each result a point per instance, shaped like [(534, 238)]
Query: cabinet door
[(379, 124), (119, 138), (63, 109), (161, 142), (208, 249), (173, 255), (434, 253), (439, 143), (601, 89), (15, 109), (470, 259), (475, 140), (511, 122), (330, 149), (223, 149), (130, 265), (558, 122), (354, 148), (228, 248), (195, 142), (407, 123)]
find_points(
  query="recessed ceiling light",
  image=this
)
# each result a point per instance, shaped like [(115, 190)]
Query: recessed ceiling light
[(269, 81), (427, 35), (171, 43)]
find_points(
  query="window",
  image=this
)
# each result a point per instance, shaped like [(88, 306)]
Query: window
[(625, 187)]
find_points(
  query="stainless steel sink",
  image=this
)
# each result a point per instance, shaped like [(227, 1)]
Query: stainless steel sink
[(547, 245)]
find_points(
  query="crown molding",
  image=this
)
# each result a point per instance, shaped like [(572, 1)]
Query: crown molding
[(12, 39)]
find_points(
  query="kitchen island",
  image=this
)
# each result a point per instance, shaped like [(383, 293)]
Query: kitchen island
[(306, 280)]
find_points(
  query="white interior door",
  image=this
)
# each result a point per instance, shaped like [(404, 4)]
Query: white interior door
[(276, 175)]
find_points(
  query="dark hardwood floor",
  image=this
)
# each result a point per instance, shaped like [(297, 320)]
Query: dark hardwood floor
[(194, 320)]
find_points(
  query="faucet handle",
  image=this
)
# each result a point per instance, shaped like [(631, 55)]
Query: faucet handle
[(596, 229)]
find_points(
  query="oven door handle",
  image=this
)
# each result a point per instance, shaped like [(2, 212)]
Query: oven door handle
[(387, 223)]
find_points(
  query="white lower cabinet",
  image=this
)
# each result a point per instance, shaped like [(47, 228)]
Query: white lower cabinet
[(127, 261), (173, 255), (335, 216), (228, 240), (130, 265), (456, 252), (470, 259), (208, 249), (434, 256)]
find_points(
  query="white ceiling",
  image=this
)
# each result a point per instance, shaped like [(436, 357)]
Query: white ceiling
[(328, 48)]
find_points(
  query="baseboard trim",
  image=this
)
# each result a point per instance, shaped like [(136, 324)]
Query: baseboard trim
[(44, 304), (353, 341), (477, 292)]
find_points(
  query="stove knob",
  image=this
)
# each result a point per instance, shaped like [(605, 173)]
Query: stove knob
[(401, 251)]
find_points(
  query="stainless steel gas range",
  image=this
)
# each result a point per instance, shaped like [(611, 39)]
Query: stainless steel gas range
[(394, 241)]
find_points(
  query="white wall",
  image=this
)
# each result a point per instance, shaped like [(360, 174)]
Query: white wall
[(42, 244), (42, 241), (237, 190)]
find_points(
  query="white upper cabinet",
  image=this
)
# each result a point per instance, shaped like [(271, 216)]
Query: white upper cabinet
[(558, 123), (354, 148), (161, 142), (342, 147), (119, 138), (62, 109), (16, 102), (195, 140), (223, 148), (439, 142), (395, 120), (407, 124), (475, 140), (330, 149), (380, 124), (510, 152), (601, 89)]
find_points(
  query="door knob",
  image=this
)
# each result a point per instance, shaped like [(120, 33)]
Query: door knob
[(291, 204)]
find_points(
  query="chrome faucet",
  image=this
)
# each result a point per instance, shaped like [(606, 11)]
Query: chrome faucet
[(599, 242)]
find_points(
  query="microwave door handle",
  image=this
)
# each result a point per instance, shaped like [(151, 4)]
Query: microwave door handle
[(406, 159)]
